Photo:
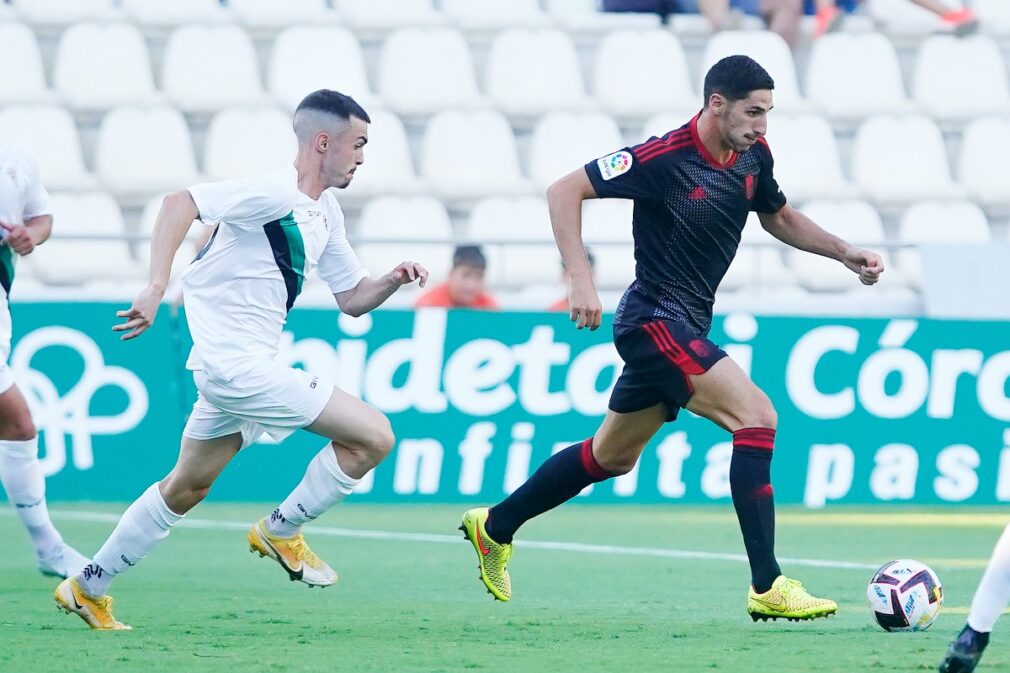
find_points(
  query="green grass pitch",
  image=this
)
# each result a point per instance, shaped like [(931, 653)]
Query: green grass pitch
[(202, 602)]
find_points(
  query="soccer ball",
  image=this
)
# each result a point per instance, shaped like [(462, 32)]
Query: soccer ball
[(905, 595)]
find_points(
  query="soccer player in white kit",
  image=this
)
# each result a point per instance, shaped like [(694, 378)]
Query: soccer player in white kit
[(25, 219), (272, 230)]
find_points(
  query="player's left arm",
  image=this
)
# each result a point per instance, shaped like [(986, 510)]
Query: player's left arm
[(22, 238), (796, 229), (370, 293)]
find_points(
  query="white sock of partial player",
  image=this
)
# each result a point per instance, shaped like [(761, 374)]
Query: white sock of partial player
[(993, 591), (322, 487), (143, 525), (25, 484)]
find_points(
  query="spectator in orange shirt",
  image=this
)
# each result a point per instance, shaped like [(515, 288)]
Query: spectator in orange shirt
[(562, 304), (465, 286)]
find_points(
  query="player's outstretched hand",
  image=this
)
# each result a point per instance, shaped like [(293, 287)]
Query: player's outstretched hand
[(408, 272), (141, 315), (18, 238), (586, 311), (867, 264)]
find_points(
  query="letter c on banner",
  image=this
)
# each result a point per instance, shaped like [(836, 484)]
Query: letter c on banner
[(802, 366)]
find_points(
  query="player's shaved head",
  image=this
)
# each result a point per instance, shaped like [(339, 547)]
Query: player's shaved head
[(735, 77), (325, 111)]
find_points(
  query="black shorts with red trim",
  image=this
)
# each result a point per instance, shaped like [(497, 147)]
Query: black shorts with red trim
[(659, 359)]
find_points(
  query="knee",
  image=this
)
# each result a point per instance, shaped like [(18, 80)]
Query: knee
[(181, 496), (19, 429), (378, 441), (617, 462), (760, 414)]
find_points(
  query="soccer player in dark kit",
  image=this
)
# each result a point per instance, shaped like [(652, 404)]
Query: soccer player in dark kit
[(692, 189)]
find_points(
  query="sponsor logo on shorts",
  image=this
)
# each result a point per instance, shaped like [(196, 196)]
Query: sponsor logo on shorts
[(615, 164), (314, 383), (700, 348)]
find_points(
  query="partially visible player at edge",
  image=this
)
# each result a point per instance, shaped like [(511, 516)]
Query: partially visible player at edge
[(991, 598), (26, 218), (692, 189), (272, 230)]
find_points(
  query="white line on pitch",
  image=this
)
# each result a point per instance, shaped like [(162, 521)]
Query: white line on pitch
[(576, 547)]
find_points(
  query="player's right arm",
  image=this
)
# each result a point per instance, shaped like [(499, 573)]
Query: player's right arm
[(177, 213), (564, 201)]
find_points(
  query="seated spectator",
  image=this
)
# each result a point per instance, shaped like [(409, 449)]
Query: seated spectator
[(465, 286), (562, 303), (829, 15), (782, 16)]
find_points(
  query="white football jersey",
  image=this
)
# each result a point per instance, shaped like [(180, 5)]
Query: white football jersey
[(22, 197), (239, 288)]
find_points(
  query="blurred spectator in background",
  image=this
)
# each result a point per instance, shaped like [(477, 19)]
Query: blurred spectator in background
[(465, 286), (829, 14), (782, 16), (562, 303)]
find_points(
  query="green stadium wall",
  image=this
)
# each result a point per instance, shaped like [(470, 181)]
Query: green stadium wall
[(870, 411)]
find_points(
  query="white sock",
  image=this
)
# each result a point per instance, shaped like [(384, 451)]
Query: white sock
[(143, 525), (993, 591), (22, 478), (322, 487)]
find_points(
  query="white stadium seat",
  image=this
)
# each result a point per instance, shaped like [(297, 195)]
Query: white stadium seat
[(517, 237), (854, 221), (855, 75), (607, 221), (994, 15), (530, 72), (904, 17), (380, 258), (388, 167), (902, 158), (48, 133), (290, 12), (369, 14), (938, 222), (982, 166), (658, 125), (492, 14), (102, 65), (308, 58), (198, 234), (65, 12), (471, 153), (584, 16), (768, 49), (806, 158), (404, 218), (564, 141), (176, 12), (145, 150), (75, 262), (416, 79), (958, 78), (242, 141), (22, 79), (758, 263), (642, 72), (207, 68)]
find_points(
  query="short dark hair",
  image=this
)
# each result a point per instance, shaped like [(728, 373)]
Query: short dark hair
[(735, 77), (334, 103), (469, 255)]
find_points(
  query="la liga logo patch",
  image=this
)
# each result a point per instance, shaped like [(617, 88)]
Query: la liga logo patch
[(615, 164)]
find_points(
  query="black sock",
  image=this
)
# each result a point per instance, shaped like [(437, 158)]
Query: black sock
[(750, 484), (559, 479)]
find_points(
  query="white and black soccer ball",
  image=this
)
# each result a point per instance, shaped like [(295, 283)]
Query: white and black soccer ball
[(905, 595)]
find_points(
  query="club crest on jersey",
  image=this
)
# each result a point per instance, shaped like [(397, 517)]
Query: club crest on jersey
[(615, 164), (750, 186)]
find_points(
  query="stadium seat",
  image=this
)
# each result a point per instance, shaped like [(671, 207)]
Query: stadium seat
[(65, 12), (902, 17), (380, 258), (768, 49), (854, 221), (176, 12), (74, 262), (388, 167), (564, 141), (659, 124), (145, 150), (267, 13), (416, 79), (494, 14), (517, 237), (22, 79), (807, 164), (530, 72), (607, 221), (642, 72), (198, 232), (758, 264), (584, 16), (404, 218), (855, 75), (208, 68), (48, 133), (102, 65), (468, 154), (994, 15), (229, 152), (958, 78), (981, 169), (902, 158), (389, 14), (938, 222), (307, 58)]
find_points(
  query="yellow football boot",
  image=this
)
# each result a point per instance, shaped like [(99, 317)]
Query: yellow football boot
[(293, 554), (789, 600), (492, 557), (96, 612)]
